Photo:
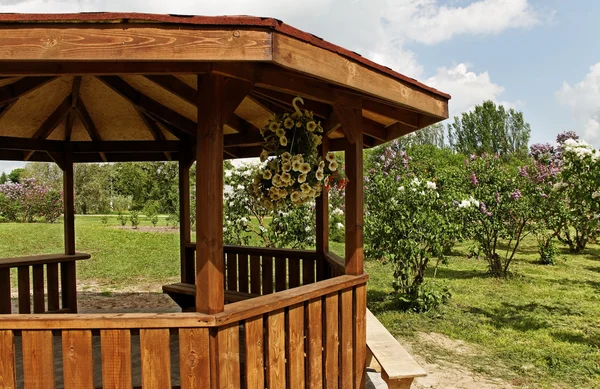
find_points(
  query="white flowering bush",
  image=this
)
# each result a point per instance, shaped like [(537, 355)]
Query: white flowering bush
[(292, 172), (248, 222)]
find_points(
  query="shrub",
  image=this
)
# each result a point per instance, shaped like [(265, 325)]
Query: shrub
[(134, 218), (52, 207), (173, 220), (9, 208), (104, 220), (121, 203), (28, 199), (122, 219), (548, 250), (151, 212)]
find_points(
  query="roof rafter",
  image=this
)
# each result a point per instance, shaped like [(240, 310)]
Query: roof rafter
[(21, 87), (74, 102)]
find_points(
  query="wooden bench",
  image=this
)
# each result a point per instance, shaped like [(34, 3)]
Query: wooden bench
[(68, 282), (398, 368), (185, 295)]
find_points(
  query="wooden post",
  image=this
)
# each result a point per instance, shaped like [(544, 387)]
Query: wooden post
[(322, 224), (349, 113), (67, 269), (209, 195), (186, 255)]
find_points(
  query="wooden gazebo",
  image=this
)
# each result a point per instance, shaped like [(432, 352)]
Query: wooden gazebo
[(104, 87)]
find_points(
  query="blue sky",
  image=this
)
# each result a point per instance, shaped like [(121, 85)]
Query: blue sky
[(539, 56)]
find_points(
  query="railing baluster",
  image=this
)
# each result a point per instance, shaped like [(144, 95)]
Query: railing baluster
[(39, 305), (78, 366), (294, 272), (24, 291), (155, 356), (52, 286), (228, 338), (232, 271), (243, 272), (267, 274), (194, 358), (254, 345), (276, 350), (38, 360), (314, 340), (5, 302), (255, 280), (360, 335), (346, 340), (116, 359), (331, 310), (7, 360), (295, 340), (280, 274), (308, 271)]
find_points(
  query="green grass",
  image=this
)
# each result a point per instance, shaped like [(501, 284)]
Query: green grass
[(539, 329)]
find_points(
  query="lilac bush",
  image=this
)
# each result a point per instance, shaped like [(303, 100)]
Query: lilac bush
[(28, 199)]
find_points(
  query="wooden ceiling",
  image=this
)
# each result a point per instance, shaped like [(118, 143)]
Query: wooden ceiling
[(147, 110)]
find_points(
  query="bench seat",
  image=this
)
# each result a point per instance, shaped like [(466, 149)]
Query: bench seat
[(41, 259), (398, 367), (185, 295)]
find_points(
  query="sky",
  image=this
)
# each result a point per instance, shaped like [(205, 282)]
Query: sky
[(541, 57)]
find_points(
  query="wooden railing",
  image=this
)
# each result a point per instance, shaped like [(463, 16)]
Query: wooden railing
[(35, 265), (307, 337), (262, 271)]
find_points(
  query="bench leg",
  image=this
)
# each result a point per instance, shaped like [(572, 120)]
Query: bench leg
[(404, 383)]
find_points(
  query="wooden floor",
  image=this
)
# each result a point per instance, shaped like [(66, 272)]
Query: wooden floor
[(135, 361)]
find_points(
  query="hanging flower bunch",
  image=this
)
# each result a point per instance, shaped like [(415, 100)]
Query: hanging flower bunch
[(292, 170)]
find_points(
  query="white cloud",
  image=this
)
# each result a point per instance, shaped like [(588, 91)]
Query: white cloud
[(9, 166), (467, 88), (583, 99)]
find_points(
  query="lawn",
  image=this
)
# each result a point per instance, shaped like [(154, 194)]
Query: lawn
[(539, 329)]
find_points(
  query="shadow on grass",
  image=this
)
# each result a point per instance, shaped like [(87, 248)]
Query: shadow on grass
[(453, 274), (592, 340), (379, 301), (523, 317)]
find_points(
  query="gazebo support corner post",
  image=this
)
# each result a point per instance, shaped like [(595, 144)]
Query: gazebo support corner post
[(68, 276), (209, 195), (188, 275), (322, 224), (349, 112)]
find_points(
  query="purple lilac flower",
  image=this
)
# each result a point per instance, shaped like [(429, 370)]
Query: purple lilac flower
[(498, 197), (484, 209), (474, 179), (516, 194), (561, 138)]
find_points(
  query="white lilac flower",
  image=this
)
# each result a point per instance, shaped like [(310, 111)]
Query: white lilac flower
[(339, 225), (431, 185), (337, 212), (401, 188), (595, 195)]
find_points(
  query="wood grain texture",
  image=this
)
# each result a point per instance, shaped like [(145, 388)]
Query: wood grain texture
[(295, 347), (194, 359), (346, 340), (78, 366), (5, 302), (314, 341), (276, 350), (254, 347), (228, 339), (209, 196), (7, 362), (360, 336), (331, 363), (130, 42), (116, 359), (300, 56), (156, 359), (38, 360)]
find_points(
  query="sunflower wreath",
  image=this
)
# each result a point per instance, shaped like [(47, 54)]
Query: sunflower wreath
[(292, 172)]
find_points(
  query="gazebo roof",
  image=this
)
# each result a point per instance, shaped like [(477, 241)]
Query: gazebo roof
[(116, 86)]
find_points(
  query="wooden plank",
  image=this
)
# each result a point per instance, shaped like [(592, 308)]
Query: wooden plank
[(294, 272), (155, 356), (360, 336), (254, 347), (268, 303), (229, 356), (69, 207), (184, 218), (288, 253), (52, 286), (303, 57), (280, 273), (267, 274), (78, 365), (69, 286), (346, 340), (24, 291), (38, 360), (243, 272), (39, 304), (7, 362), (322, 218), (209, 196), (5, 302), (194, 360), (314, 341), (276, 350), (40, 260), (43, 68), (308, 271), (128, 42), (391, 356), (295, 346), (232, 271), (255, 279), (332, 360), (116, 359)]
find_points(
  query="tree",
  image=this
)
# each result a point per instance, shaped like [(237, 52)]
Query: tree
[(44, 172), (15, 175), (490, 129), (92, 188), (3, 178)]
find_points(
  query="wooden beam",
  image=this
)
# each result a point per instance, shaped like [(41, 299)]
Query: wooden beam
[(13, 143), (397, 130), (105, 68), (54, 119), (132, 41), (175, 86), (209, 195), (186, 258), (74, 102), (350, 114), (88, 123), (21, 87), (235, 91), (322, 220), (69, 204), (319, 109), (6, 107), (374, 130), (244, 140), (149, 105)]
